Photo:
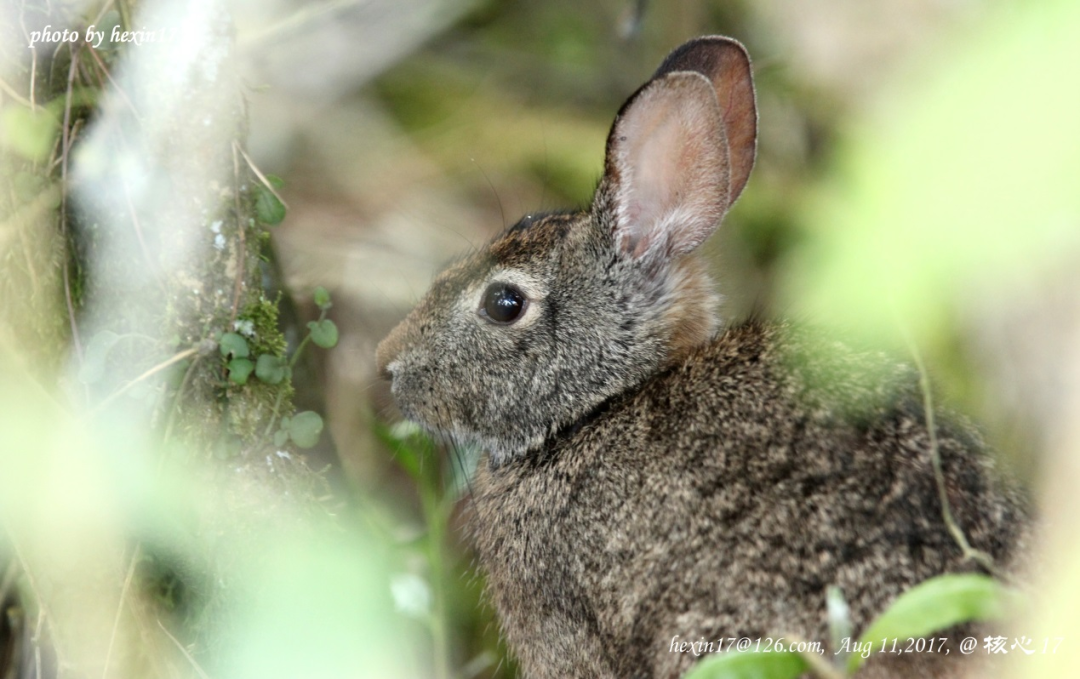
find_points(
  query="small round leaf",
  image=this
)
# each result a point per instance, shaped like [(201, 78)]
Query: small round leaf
[(304, 428), (240, 369), (322, 298), (234, 345), (268, 209), (270, 369), (324, 333)]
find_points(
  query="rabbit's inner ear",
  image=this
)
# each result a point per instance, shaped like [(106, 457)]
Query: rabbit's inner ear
[(727, 65), (668, 167)]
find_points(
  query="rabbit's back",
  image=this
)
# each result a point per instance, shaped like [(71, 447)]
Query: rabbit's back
[(721, 499)]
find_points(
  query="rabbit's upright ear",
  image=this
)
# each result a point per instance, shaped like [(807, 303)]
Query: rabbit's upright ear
[(671, 170), (726, 64)]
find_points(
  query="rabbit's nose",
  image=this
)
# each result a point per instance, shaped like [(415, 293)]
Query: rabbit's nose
[(388, 350), (384, 371)]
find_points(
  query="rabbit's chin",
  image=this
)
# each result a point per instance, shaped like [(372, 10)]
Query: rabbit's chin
[(499, 449)]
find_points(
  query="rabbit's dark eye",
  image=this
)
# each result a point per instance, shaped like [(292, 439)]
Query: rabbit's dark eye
[(503, 303)]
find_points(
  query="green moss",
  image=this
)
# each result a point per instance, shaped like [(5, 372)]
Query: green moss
[(249, 416), (268, 338)]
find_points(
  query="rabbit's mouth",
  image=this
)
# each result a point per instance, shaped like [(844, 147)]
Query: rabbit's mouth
[(416, 394), (403, 389), (459, 426)]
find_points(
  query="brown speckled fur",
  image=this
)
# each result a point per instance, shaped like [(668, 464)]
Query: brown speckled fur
[(646, 478), (730, 495)]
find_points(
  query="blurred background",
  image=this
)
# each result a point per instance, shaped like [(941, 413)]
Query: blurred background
[(406, 142), (916, 184)]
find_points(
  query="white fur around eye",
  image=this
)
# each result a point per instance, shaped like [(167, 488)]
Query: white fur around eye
[(532, 287)]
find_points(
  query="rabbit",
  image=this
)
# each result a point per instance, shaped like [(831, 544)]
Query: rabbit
[(651, 477)]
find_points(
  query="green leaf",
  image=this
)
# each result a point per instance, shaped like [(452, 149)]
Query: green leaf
[(31, 134), (240, 369), (97, 351), (234, 345), (268, 209), (324, 333), (749, 665), (936, 604), (322, 298), (304, 428), (280, 437), (271, 369)]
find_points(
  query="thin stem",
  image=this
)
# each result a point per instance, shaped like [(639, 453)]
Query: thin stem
[(9, 579), (125, 14), (274, 413), (281, 392), (138, 231), (36, 640), (105, 7), (259, 174), (435, 517), (195, 665), (10, 91), (33, 71), (115, 85), (241, 230), (43, 608), (820, 666), (65, 148), (303, 342), (984, 560), (149, 373), (294, 23), (176, 400), (120, 608)]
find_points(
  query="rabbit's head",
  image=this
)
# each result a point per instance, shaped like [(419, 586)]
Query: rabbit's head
[(564, 310)]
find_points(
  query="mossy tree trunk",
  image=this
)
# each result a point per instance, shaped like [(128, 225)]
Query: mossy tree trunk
[(134, 244)]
